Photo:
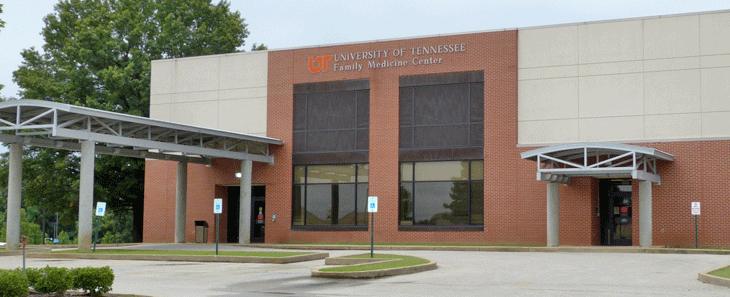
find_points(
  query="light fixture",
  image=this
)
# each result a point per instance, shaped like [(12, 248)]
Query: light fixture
[(238, 175)]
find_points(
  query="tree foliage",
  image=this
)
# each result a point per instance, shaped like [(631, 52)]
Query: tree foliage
[(2, 24), (98, 53), (259, 47)]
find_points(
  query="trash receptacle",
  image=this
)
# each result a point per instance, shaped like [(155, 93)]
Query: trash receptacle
[(201, 231)]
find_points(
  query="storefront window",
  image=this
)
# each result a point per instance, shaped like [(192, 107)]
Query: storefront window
[(330, 195), (442, 193)]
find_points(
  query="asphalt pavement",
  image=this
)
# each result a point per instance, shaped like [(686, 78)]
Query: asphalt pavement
[(460, 273)]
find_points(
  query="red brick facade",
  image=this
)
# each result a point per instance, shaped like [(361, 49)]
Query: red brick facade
[(514, 202)]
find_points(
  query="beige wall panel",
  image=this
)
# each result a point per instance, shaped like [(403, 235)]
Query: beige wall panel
[(673, 126), (244, 70), (714, 32), (204, 114), (611, 95), (672, 64), (197, 74), (242, 93), (610, 42), (715, 61), (548, 99), (161, 98), (672, 92), (206, 96), (547, 72), (161, 77), (672, 37), (612, 129), (716, 89), (553, 46), (716, 124), (160, 112), (610, 68), (245, 115), (547, 132)]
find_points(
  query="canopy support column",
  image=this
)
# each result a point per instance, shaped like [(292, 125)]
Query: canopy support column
[(645, 219), (553, 214), (15, 178), (181, 200), (86, 194), (244, 221)]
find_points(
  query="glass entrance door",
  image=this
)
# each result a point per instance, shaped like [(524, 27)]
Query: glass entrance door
[(258, 217), (615, 212)]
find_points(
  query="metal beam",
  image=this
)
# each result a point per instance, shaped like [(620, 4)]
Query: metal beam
[(162, 145), (75, 146)]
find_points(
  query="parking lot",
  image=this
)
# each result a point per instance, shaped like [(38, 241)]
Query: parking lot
[(460, 273)]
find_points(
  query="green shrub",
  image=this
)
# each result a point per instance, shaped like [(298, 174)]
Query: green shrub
[(54, 280), (33, 274), (13, 283), (96, 281), (63, 237)]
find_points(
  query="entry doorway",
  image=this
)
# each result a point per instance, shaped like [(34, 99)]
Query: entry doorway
[(615, 211), (258, 201)]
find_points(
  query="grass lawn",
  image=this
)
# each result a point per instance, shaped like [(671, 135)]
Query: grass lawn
[(186, 253), (725, 272), (411, 244), (403, 261)]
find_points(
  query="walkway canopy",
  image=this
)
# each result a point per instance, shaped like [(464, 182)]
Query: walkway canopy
[(557, 164), (90, 131), (62, 126), (597, 159)]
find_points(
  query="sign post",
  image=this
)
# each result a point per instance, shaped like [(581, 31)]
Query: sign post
[(372, 209), (100, 211), (696, 213), (217, 210)]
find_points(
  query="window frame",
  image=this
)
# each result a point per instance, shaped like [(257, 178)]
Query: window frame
[(328, 227), (412, 183)]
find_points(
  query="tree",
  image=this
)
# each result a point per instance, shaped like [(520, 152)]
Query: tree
[(97, 54), (2, 25), (259, 47)]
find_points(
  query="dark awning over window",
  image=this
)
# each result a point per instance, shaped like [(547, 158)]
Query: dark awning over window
[(597, 159)]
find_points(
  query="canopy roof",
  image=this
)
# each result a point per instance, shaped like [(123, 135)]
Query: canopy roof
[(56, 125), (597, 159)]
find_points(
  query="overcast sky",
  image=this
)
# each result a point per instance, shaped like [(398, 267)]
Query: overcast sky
[(297, 23)]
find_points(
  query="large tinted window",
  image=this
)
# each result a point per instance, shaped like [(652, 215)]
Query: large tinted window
[(331, 122), (442, 116), (330, 195), (442, 193)]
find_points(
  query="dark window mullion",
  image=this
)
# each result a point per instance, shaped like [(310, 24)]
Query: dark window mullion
[(470, 197), (468, 115), (356, 175), (306, 171), (413, 118), (413, 193)]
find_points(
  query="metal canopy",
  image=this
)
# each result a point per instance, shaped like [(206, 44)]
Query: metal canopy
[(597, 159), (62, 126)]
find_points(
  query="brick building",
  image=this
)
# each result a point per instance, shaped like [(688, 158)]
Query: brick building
[(631, 116)]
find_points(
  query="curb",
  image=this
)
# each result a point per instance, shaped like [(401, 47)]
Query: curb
[(183, 258), (534, 249), (714, 280), (370, 274)]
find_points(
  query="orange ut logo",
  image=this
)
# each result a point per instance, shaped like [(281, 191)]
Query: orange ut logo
[(321, 62)]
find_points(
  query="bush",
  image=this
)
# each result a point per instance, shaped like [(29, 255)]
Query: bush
[(63, 237), (54, 280), (96, 281), (33, 274), (13, 283)]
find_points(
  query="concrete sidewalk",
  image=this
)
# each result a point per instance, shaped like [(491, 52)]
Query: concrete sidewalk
[(460, 273)]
